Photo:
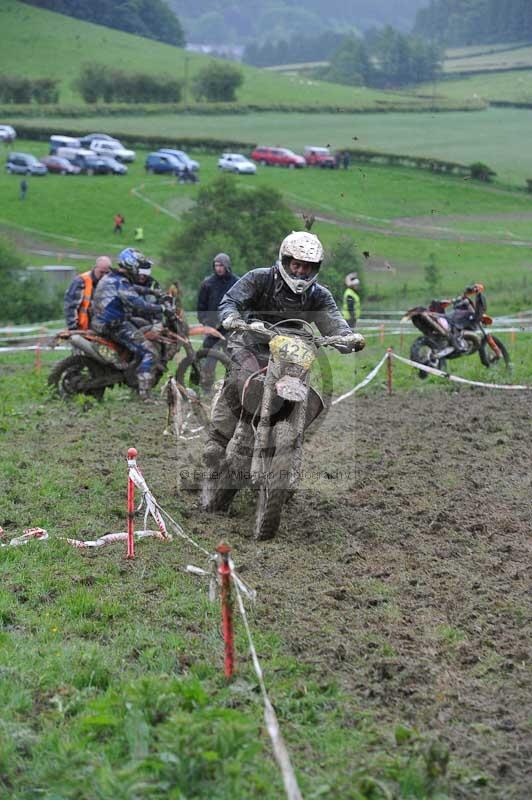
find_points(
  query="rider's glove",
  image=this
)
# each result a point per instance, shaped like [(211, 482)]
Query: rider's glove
[(348, 343), (258, 327), (233, 322)]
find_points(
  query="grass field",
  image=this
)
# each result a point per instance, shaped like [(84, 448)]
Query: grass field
[(56, 46), (493, 136), (488, 60), (76, 213), (509, 86)]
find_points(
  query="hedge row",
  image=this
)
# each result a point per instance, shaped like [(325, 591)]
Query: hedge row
[(138, 109), (418, 162), (210, 145)]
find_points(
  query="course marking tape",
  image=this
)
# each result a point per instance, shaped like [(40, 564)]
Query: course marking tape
[(272, 724), (365, 382), (441, 374)]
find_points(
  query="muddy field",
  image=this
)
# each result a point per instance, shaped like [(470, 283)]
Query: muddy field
[(402, 568)]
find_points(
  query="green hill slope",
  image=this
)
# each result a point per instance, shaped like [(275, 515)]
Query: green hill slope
[(39, 43)]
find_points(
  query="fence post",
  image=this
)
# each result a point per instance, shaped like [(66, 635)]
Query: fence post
[(389, 368), (381, 335), (38, 364), (227, 611), (131, 462)]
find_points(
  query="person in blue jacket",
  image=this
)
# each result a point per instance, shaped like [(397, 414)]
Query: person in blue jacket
[(210, 296), (118, 297)]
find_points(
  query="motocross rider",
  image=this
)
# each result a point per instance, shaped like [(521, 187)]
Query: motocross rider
[(287, 290), (115, 299)]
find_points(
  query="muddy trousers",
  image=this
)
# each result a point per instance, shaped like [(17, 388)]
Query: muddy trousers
[(208, 365), (130, 337), (227, 408)]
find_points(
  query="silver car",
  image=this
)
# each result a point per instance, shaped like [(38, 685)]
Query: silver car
[(236, 162)]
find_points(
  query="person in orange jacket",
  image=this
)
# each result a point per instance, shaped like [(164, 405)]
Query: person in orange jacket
[(78, 296)]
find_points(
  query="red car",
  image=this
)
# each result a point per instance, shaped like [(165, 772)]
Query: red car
[(60, 165), (278, 156), (319, 157)]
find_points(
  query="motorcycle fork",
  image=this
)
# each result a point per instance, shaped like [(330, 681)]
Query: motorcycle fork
[(493, 344), (262, 432)]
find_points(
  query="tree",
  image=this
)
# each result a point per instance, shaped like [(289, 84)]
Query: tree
[(24, 299), (350, 63), (247, 224), (217, 82), (341, 259)]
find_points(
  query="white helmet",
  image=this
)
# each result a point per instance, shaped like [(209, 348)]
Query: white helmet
[(352, 281), (303, 246)]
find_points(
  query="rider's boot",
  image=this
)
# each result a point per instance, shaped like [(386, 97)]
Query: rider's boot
[(145, 384)]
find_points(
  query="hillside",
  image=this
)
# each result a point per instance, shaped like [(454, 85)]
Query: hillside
[(55, 46), (241, 22)]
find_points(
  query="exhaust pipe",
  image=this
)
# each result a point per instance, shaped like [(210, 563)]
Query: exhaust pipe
[(88, 348)]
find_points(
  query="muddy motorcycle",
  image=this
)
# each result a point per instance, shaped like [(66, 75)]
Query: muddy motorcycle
[(277, 406), (97, 364), (461, 332)]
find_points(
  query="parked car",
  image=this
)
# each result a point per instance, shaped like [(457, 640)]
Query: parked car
[(91, 164), (24, 164), (115, 167), (7, 133), (57, 142), (60, 165), (235, 162), (319, 157), (103, 147), (92, 137), (278, 156), (163, 162), (181, 156)]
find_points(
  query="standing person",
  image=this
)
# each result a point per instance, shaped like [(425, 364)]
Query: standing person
[(345, 159), (351, 307), (78, 296), (210, 296), (139, 234), (23, 188), (115, 299), (119, 222)]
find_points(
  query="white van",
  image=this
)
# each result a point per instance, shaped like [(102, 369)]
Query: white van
[(70, 153), (57, 142)]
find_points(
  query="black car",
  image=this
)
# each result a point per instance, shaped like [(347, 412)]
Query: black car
[(92, 165)]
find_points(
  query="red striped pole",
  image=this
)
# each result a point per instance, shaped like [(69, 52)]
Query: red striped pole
[(131, 462), (227, 612), (389, 369)]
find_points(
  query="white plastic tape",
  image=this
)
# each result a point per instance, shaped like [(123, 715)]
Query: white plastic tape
[(361, 385), (441, 374)]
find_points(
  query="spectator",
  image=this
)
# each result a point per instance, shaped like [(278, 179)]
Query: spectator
[(337, 159), (210, 296), (139, 234), (119, 222), (351, 308), (78, 296), (345, 159), (23, 188)]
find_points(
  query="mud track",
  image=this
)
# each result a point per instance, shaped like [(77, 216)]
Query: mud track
[(401, 568)]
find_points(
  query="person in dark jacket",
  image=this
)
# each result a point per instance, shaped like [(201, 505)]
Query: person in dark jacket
[(116, 298), (78, 296), (288, 290), (210, 296)]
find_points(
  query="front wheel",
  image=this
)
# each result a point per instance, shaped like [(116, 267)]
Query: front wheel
[(77, 375), (275, 489), (200, 371), (489, 355)]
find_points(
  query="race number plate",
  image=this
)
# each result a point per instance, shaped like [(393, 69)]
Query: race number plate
[(292, 349)]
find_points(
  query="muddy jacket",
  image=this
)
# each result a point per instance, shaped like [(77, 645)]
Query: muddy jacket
[(78, 299), (116, 298), (210, 295), (262, 294)]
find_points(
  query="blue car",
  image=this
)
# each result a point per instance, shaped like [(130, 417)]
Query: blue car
[(163, 162), (188, 163)]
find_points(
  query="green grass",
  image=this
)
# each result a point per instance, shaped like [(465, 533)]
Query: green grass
[(112, 671), (489, 59), (493, 136), (510, 86), (77, 213), (55, 46)]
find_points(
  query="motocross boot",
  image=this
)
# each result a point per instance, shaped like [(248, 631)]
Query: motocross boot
[(145, 384)]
